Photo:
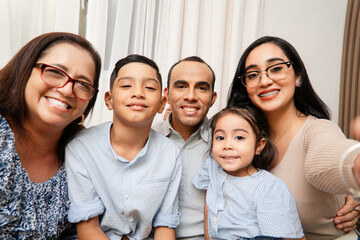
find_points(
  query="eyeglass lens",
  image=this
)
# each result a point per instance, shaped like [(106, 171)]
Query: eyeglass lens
[(276, 72), (57, 78)]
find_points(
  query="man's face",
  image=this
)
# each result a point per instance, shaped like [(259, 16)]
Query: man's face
[(190, 93)]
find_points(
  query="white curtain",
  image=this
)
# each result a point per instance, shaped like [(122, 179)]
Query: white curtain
[(163, 30), (22, 20), (167, 31)]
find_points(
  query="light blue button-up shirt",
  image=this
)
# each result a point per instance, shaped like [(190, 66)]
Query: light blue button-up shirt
[(255, 205), (131, 197), (191, 200)]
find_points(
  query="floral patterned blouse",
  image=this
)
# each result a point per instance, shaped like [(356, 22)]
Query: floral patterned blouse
[(29, 210)]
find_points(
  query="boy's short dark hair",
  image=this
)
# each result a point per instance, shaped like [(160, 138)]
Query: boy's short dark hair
[(130, 59)]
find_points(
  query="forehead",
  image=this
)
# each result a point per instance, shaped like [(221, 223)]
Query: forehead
[(191, 72), (64, 50), (231, 122), (137, 70), (263, 53), (74, 59)]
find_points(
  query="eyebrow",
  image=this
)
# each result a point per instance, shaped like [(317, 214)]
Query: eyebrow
[(180, 82), (146, 79), (203, 83), (240, 130), (197, 83), (65, 69), (233, 130), (271, 60)]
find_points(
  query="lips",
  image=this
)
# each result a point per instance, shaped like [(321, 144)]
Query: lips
[(58, 104), (190, 110), (229, 158), (268, 95), (137, 106)]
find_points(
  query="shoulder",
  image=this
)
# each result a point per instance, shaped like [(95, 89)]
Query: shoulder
[(5, 130), (316, 129), (316, 124), (268, 181), (91, 133), (162, 127), (7, 139), (158, 138)]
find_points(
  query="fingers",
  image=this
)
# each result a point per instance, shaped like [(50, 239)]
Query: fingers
[(347, 216), (167, 113), (355, 128), (349, 206)]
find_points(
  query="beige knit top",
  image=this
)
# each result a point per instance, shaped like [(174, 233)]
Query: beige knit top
[(311, 169)]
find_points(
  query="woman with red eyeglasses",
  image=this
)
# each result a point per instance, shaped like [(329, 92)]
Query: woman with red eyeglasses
[(46, 91)]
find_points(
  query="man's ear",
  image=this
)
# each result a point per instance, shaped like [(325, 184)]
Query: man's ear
[(108, 100), (166, 95), (214, 97)]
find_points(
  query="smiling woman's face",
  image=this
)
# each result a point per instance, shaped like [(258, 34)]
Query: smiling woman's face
[(48, 106), (269, 95)]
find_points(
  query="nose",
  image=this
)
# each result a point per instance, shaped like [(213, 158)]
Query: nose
[(264, 79), (228, 144), (138, 92), (67, 89), (191, 94)]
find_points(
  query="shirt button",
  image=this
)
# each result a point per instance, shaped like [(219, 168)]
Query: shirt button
[(214, 219), (126, 196), (220, 205)]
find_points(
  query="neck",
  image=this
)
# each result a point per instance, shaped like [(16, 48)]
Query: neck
[(280, 121), (127, 141), (38, 142), (37, 149), (184, 131)]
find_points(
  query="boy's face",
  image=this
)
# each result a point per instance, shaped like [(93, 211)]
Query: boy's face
[(190, 93), (136, 95)]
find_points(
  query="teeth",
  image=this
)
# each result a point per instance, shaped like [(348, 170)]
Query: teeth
[(269, 94), (188, 109), (57, 103)]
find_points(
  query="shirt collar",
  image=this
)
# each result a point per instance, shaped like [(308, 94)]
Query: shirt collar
[(203, 132)]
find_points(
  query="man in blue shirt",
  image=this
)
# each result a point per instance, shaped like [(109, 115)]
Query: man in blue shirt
[(190, 94)]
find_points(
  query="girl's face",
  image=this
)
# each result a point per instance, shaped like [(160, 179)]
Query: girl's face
[(269, 95), (54, 108), (234, 145)]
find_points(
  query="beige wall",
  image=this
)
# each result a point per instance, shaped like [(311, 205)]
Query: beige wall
[(316, 30)]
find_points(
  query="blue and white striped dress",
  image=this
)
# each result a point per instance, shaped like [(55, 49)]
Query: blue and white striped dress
[(256, 205)]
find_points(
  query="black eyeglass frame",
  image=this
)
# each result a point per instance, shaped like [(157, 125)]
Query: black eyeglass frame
[(242, 77), (42, 66)]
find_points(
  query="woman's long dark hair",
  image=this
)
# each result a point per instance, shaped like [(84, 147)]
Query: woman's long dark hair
[(258, 123), (15, 75), (305, 98)]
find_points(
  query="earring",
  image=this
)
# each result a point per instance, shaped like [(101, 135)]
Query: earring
[(82, 120), (297, 84)]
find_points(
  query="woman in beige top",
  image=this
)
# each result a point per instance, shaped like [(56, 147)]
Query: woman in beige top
[(314, 158)]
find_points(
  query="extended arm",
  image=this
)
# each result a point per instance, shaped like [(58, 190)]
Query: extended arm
[(164, 233)]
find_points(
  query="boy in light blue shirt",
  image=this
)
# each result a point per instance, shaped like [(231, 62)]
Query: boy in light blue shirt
[(124, 177)]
